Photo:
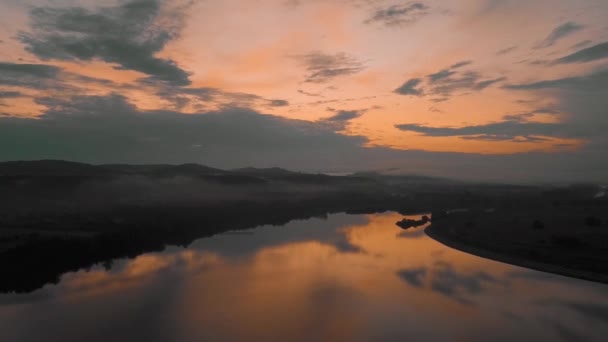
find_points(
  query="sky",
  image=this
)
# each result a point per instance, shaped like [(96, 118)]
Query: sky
[(507, 90)]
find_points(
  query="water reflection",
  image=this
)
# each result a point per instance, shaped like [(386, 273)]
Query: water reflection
[(344, 277)]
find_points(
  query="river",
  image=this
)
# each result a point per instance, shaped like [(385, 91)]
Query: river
[(339, 278)]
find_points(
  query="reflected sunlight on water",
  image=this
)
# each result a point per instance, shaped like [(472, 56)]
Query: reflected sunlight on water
[(347, 277)]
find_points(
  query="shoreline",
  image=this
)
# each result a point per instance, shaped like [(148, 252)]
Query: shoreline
[(436, 234)]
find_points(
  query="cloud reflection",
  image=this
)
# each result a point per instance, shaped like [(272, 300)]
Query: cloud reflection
[(319, 279)]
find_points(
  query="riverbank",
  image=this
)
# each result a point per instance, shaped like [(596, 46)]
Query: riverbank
[(567, 249)]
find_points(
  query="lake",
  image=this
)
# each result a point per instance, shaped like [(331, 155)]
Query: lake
[(339, 278)]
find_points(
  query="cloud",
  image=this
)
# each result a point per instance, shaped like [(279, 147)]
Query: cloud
[(414, 277), (578, 113), (45, 78), (597, 81), (446, 85), (447, 81), (527, 115), (10, 94), (111, 129), (506, 50), (461, 64), (278, 103), (444, 280), (397, 15), (457, 286), (489, 6), (410, 87), (208, 98), (324, 67), (128, 35), (581, 102), (581, 44), (36, 70), (504, 137), (515, 131), (27, 75), (309, 93), (441, 75), (345, 115), (559, 33), (590, 54), (484, 84)]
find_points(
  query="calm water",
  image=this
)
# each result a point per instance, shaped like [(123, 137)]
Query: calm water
[(347, 277)]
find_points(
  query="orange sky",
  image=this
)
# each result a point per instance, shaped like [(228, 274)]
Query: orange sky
[(280, 50)]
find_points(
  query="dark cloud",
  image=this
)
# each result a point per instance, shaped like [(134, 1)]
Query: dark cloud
[(324, 67), (345, 115), (397, 15), (309, 93), (36, 70), (582, 102), (537, 62), (278, 103), (527, 115), (444, 280), (558, 33), (410, 87), (506, 50), (581, 44), (504, 137), (516, 131), (47, 78), (207, 98), (597, 81), (461, 64), (445, 73), (451, 81), (590, 54), (484, 84), (27, 75), (410, 234), (111, 129), (579, 107), (128, 35), (455, 285), (447, 81), (414, 277), (10, 94)]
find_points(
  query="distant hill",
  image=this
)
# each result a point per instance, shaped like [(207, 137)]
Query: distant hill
[(249, 175), (402, 178), (271, 171), (50, 168), (166, 170)]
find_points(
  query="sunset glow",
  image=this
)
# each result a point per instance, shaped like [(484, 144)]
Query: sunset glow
[(470, 77)]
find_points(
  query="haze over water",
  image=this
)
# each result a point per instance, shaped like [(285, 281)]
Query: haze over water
[(346, 277)]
